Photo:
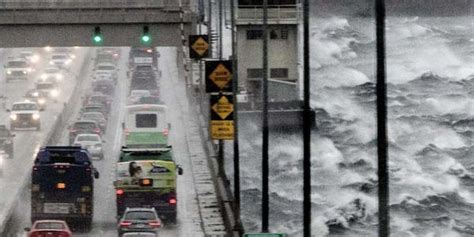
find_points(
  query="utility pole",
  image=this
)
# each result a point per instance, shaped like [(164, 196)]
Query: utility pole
[(235, 81), (306, 125), (265, 198), (382, 145)]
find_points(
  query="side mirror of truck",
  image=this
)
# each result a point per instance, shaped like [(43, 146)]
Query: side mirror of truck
[(96, 173), (27, 229), (13, 135), (41, 109), (123, 125), (180, 170)]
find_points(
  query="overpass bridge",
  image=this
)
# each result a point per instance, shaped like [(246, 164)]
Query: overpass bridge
[(30, 23), (68, 23)]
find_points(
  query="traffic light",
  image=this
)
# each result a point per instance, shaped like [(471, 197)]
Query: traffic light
[(146, 38), (97, 38)]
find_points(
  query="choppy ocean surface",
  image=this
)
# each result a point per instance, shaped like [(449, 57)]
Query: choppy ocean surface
[(430, 76)]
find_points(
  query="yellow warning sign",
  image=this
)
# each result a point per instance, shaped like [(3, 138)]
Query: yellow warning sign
[(221, 76), (200, 46), (223, 107), (222, 130)]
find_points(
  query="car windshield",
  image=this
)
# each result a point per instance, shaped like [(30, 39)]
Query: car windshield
[(91, 138), (140, 215), (20, 64), (43, 86), (51, 70), (92, 116), (4, 133), (60, 56), (50, 225), (106, 68), (84, 125), (28, 106), (140, 93)]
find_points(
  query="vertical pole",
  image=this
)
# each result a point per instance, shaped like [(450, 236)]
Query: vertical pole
[(235, 81), (265, 199), (220, 29), (382, 151), (221, 142), (306, 125), (209, 28)]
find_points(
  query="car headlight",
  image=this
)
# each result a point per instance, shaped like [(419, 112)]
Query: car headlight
[(41, 101), (54, 93), (9, 72), (29, 70), (25, 71), (13, 116), (35, 94), (47, 48), (59, 76), (67, 62), (51, 63), (1, 159), (34, 58), (36, 116), (73, 56)]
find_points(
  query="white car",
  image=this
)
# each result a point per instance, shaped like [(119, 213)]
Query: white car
[(92, 142), (102, 75), (48, 88), (60, 60), (136, 95), (52, 72), (107, 68), (30, 56), (25, 115), (17, 69)]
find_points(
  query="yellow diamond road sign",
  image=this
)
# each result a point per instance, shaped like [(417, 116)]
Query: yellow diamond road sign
[(200, 46), (223, 107), (221, 76)]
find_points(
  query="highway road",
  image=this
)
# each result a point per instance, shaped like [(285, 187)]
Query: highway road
[(189, 218)]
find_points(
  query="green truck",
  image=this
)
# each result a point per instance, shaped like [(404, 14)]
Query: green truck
[(148, 178)]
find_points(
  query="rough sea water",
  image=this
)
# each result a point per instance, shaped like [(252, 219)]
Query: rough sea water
[(431, 126)]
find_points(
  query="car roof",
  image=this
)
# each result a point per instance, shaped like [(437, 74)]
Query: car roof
[(93, 112), (105, 64), (87, 135), (85, 121), (24, 102), (129, 209), (49, 221), (132, 234)]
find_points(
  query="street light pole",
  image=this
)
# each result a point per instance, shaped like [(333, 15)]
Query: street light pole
[(236, 121), (265, 198), (306, 125), (382, 150)]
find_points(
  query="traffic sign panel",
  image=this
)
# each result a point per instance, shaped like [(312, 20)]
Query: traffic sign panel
[(218, 76), (222, 129), (222, 106), (198, 46)]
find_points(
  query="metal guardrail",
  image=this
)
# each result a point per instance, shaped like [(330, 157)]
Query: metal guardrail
[(87, 4), (278, 12)]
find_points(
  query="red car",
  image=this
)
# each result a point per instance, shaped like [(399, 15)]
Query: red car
[(49, 228)]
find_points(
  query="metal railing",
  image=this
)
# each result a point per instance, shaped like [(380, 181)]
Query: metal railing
[(87, 4), (275, 12)]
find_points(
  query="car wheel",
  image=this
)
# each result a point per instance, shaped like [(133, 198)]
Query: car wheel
[(10, 153)]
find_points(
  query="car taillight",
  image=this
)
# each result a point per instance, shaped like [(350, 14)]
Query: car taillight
[(166, 132), (155, 224), (172, 201), (119, 191), (62, 234), (72, 130), (97, 130), (125, 223)]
